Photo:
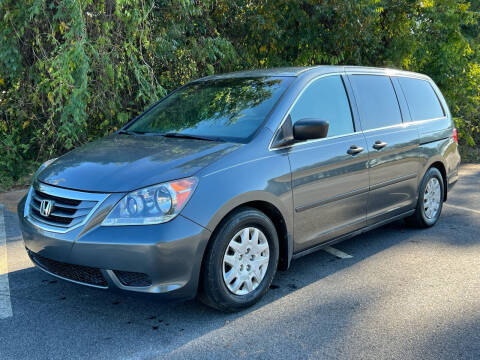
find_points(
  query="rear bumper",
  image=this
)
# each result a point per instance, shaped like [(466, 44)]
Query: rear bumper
[(451, 183), (452, 176), (163, 259)]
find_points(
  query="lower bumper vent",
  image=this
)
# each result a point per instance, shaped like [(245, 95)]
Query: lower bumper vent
[(129, 278), (83, 274)]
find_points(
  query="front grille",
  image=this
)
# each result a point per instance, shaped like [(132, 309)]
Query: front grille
[(129, 278), (69, 210), (83, 274)]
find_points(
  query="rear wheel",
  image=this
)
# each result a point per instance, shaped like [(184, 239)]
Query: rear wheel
[(241, 261), (430, 200)]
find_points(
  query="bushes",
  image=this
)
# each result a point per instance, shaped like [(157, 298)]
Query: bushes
[(75, 70)]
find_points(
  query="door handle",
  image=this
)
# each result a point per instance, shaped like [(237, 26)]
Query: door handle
[(354, 150), (379, 145)]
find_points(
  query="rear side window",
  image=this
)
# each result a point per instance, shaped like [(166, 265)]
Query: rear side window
[(325, 99), (422, 101), (377, 101)]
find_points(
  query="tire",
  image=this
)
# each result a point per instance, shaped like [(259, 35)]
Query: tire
[(423, 217), (215, 291)]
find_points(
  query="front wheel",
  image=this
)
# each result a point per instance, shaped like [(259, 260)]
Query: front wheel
[(430, 200), (241, 261)]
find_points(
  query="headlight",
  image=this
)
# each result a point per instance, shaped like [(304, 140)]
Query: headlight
[(152, 205)]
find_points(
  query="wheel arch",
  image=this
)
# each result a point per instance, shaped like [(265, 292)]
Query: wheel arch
[(273, 211), (440, 166), (285, 251)]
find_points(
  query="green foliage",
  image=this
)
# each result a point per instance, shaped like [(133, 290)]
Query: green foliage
[(75, 70)]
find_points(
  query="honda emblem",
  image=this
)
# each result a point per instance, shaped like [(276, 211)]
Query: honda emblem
[(46, 207)]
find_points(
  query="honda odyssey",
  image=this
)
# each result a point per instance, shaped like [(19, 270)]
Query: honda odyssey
[(230, 177)]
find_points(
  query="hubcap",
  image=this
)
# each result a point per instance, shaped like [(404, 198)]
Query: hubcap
[(245, 261), (432, 198)]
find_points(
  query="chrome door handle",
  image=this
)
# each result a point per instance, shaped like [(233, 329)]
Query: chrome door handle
[(354, 150), (379, 145)]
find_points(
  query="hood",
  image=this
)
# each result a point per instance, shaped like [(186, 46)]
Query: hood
[(122, 163)]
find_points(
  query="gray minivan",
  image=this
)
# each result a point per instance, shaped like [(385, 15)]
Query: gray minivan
[(230, 177)]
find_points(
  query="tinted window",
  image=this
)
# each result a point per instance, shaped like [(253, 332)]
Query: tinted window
[(422, 100), (230, 109), (325, 99), (377, 101)]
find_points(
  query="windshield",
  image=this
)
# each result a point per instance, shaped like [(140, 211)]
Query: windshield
[(224, 109)]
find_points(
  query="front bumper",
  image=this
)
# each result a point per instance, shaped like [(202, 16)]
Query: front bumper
[(169, 254)]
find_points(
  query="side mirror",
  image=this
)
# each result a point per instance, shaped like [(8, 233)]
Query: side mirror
[(307, 129)]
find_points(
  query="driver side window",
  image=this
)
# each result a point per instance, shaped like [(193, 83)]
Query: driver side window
[(325, 99)]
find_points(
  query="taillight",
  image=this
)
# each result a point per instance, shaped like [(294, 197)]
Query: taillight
[(455, 135)]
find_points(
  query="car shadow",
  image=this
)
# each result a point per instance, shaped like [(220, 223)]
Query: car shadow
[(78, 319)]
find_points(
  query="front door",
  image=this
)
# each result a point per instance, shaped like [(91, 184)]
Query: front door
[(329, 176)]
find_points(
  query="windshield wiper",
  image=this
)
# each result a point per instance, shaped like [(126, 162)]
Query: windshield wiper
[(189, 136), (170, 134), (127, 132)]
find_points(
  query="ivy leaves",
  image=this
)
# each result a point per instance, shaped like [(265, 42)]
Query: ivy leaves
[(75, 70)]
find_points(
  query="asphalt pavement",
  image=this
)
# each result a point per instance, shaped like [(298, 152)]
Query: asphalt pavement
[(403, 294)]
